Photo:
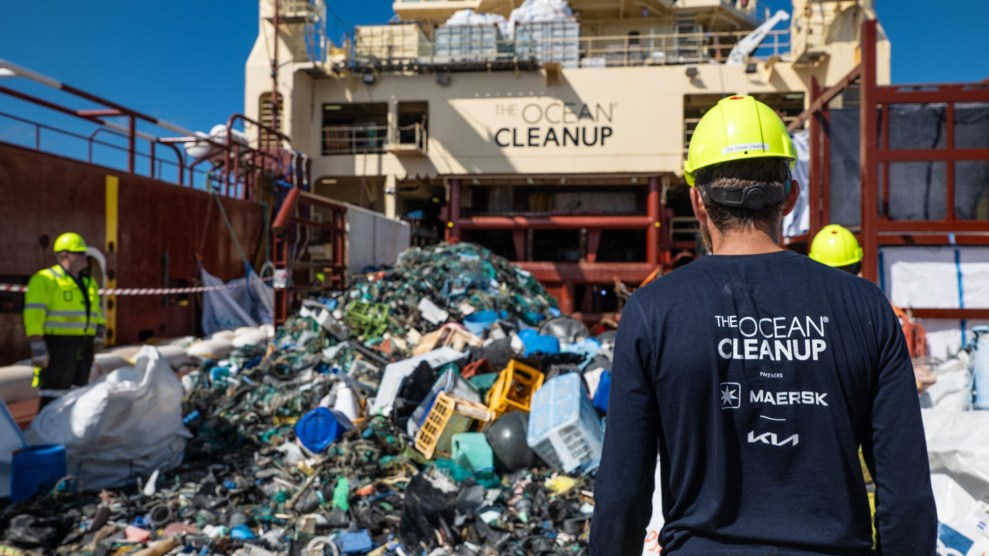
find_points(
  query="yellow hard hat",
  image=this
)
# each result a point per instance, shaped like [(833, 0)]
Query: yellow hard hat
[(835, 246), (71, 242), (737, 128)]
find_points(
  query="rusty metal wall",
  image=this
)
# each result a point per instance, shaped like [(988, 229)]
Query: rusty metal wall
[(161, 229)]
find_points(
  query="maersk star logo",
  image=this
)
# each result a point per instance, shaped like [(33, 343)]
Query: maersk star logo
[(731, 395)]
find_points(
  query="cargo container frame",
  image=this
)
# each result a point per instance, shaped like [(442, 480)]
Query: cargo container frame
[(877, 229)]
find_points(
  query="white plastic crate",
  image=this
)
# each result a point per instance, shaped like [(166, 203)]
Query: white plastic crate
[(390, 42), (549, 41), (466, 43), (564, 429)]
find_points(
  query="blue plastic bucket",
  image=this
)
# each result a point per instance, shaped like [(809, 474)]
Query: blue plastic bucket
[(36, 468), (318, 429), (536, 343), (480, 322)]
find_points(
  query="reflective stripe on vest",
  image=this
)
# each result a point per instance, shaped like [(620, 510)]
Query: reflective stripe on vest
[(67, 313), (65, 325)]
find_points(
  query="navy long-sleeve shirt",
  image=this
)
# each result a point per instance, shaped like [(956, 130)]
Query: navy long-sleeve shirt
[(757, 378)]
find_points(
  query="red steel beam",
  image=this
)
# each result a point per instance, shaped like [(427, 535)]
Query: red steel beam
[(593, 243), (914, 155), (814, 165), (652, 232), (518, 240), (943, 238), (131, 144), (867, 153), (950, 177), (895, 95), (588, 273), (553, 222), (826, 165), (960, 314), (99, 112), (453, 226), (921, 226), (885, 195), (285, 212)]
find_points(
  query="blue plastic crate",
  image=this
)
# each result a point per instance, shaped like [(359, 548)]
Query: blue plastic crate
[(564, 428), (355, 542)]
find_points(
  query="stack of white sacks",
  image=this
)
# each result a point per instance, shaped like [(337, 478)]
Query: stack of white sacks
[(128, 421)]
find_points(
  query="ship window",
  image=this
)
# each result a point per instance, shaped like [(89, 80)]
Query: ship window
[(354, 128), (412, 123), (266, 111)]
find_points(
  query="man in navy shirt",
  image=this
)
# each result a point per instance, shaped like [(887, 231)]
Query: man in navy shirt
[(756, 374)]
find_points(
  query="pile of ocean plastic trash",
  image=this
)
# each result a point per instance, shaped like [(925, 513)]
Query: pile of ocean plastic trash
[(442, 406)]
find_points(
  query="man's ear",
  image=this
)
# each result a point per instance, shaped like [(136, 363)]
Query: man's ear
[(791, 198), (697, 203)]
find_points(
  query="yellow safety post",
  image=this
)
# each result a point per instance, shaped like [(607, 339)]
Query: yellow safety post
[(110, 246)]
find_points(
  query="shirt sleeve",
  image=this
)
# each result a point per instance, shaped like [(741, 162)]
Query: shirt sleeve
[(896, 452), (97, 301), (624, 486), (36, 304)]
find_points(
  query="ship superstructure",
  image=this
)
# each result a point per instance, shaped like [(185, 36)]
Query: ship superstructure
[(553, 133)]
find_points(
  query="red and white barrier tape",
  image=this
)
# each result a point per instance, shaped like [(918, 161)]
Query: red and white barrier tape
[(20, 288)]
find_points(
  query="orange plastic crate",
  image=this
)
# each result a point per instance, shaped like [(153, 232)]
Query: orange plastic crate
[(448, 416), (514, 388)]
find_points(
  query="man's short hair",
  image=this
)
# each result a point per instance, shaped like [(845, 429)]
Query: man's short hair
[(737, 174)]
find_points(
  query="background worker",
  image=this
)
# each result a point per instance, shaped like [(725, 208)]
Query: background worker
[(755, 374), (836, 246), (63, 319)]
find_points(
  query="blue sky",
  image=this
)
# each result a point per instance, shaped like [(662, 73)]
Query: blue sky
[(183, 60)]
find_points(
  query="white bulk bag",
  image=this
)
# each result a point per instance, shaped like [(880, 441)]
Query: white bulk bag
[(125, 425)]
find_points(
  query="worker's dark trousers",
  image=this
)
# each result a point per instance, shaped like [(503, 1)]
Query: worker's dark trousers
[(70, 359)]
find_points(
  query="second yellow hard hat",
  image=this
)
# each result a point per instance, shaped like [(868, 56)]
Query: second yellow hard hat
[(835, 246)]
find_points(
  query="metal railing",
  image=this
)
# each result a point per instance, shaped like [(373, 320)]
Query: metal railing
[(666, 49), (650, 49), (235, 168), (89, 148), (354, 139), (747, 6), (290, 7), (372, 139)]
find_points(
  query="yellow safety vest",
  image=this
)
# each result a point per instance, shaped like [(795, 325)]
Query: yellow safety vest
[(55, 305)]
